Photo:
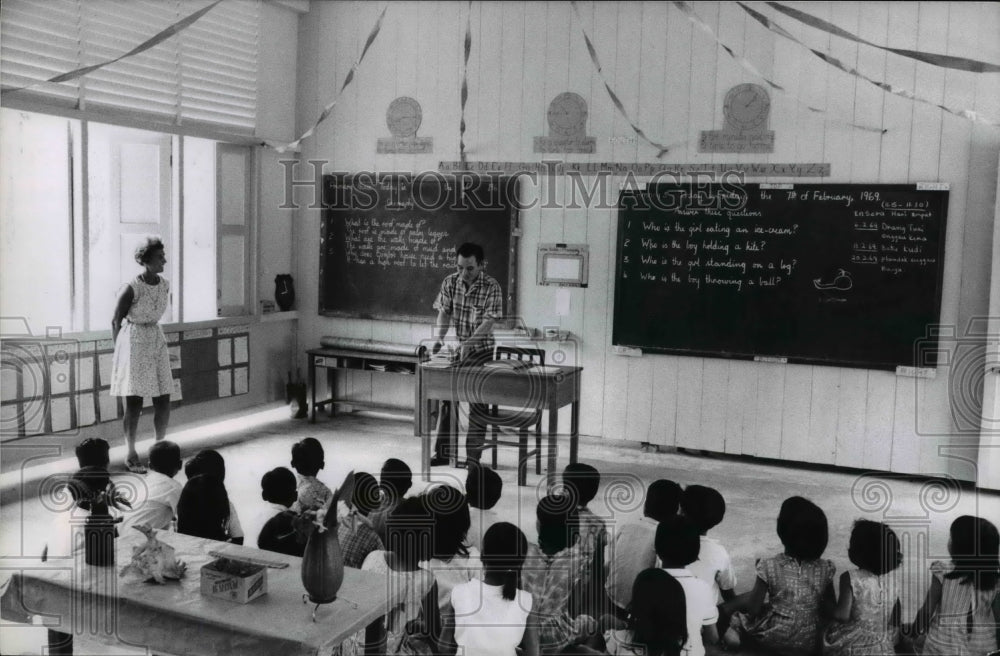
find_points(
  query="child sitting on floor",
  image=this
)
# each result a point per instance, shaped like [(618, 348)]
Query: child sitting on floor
[(866, 618), (794, 584), (483, 488), (395, 480), (677, 545), (633, 548), (277, 487), (163, 493), (491, 614), (210, 462), (307, 460), (452, 561), (657, 618), (354, 530), (204, 509), (961, 613), (581, 482), (412, 623), (552, 569), (93, 459), (705, 507)]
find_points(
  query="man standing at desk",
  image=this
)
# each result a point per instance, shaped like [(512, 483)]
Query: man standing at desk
[(473, 301)]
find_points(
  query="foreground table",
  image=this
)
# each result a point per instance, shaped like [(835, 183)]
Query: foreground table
[(537, 387), (175, 618)]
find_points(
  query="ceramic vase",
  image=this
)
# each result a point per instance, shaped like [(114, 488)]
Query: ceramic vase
[(99, 539), (323, 566), (284, 291)]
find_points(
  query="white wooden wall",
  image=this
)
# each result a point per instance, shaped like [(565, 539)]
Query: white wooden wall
[(671, 77)]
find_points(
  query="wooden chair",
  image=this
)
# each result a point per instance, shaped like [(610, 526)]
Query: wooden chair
[(502, 421)]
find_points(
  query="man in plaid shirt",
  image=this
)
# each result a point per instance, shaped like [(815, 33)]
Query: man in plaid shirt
[(472, 301)]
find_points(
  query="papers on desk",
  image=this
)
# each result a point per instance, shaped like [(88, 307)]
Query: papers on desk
[(508, 365), (442, 359), (546, 369)]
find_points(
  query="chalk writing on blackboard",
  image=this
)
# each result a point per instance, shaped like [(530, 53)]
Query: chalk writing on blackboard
[(388, 240), (783, 272)]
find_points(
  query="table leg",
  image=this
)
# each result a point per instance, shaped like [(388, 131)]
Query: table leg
[(60, 644), (454, 433), (331, 388), (574, 431), (312, 387), (553, 446)]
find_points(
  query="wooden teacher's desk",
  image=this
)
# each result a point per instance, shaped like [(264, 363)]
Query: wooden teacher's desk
[(537, 387), (175, 618)]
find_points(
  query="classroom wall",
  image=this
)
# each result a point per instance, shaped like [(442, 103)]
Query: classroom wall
[(671, 77)]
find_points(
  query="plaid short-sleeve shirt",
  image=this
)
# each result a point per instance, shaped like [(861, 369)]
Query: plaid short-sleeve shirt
[(470, 307)]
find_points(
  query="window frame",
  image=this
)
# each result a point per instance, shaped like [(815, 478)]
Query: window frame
[(81, 292)]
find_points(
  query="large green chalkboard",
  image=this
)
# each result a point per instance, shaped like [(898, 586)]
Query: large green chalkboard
[(388, 240), (841, 274)]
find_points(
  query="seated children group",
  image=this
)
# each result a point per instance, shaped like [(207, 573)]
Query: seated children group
[(658, 585)]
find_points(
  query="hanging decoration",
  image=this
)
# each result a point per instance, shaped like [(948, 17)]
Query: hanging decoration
[(154, 40), (465, 82), (935, 59), (279, 147), (661, 149), (885, 86), (746, 65)]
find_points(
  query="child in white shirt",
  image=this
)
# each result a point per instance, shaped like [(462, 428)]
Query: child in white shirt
[(706, 507)]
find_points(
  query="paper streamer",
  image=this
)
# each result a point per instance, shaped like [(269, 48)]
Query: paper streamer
[(661, 149), (465, 83), (702, 25), (833, 61), (155, 40), (294, 145), (944, 61)]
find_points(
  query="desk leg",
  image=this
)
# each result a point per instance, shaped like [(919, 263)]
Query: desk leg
[(60, 644), (454, 433), (553, 447), (574, 432), (331, 386), (312, 389)]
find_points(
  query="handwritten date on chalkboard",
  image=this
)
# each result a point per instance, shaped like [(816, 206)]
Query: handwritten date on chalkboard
[(388, 240), (831, 274)]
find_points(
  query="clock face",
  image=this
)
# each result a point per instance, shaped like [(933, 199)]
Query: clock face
[(403, 117), (567, 115), (746, 108)]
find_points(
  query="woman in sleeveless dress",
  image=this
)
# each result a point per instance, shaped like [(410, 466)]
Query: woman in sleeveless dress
[(141, 363)]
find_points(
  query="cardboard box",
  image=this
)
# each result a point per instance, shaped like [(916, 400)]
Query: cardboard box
[(234, 580)]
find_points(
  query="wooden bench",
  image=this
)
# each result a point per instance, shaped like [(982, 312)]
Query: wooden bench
[(360, 354)]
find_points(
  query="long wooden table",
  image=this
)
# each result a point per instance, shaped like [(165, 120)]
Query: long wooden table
[(537, 387), (175, 618), (365, 355)]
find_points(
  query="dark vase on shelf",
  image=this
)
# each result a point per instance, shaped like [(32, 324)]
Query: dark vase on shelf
[(284, 291), (99, 538)]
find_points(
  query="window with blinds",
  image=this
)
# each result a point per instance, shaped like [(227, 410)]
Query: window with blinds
[(205, 74)]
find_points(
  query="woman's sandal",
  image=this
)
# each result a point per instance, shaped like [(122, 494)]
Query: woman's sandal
[(135, 467)]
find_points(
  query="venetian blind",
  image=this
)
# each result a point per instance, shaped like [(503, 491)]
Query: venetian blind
[(206, 74)]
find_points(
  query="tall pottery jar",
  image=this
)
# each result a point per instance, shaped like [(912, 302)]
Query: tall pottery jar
[(323, 566), (323, 559), (99, 537)]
